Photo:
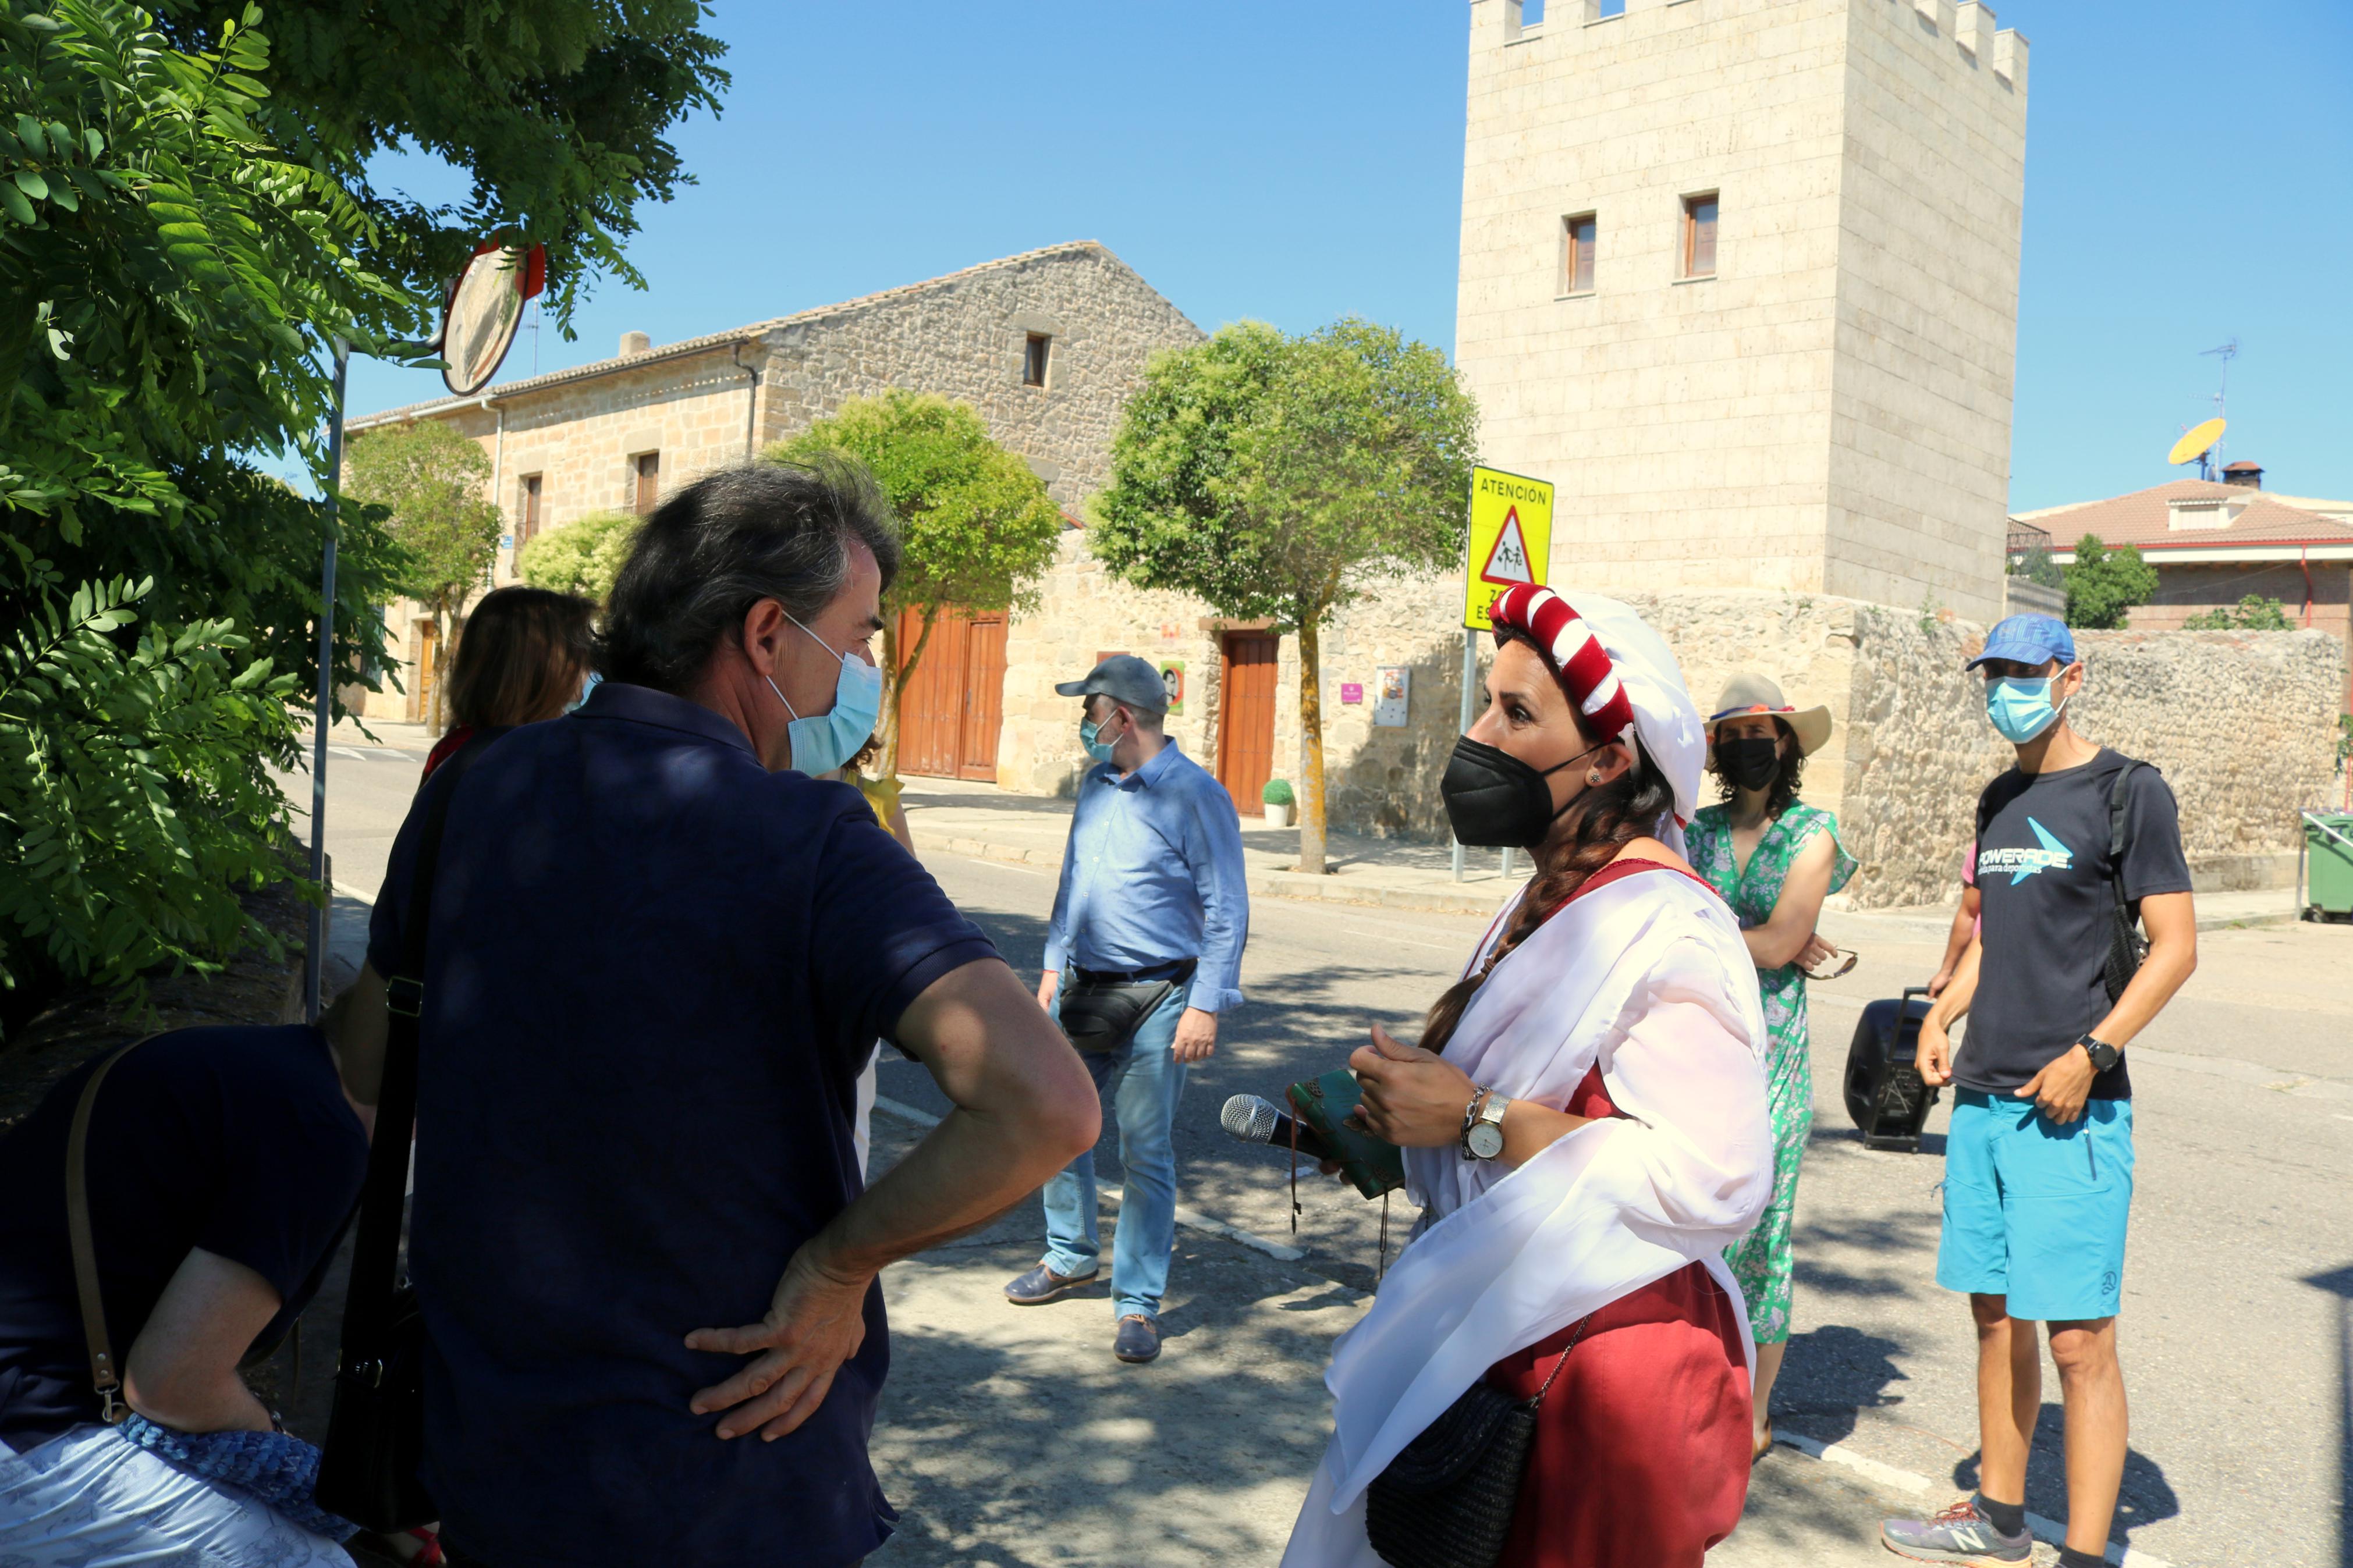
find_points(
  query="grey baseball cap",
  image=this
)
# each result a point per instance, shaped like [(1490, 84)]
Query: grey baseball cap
[(1123, 678)]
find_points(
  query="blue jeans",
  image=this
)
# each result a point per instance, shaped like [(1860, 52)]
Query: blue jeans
[(1150, 1083)]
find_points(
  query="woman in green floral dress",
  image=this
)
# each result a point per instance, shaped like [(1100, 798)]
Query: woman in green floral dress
[(1774, 859)]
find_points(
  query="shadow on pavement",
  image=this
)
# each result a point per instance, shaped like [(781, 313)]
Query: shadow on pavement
[(2339, 1283), (1832, 1373), (2146, 1497)]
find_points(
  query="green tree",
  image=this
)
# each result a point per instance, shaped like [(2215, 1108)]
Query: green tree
[(2254, 613), (131, 809), (581, 557), (1276, 475), (2035, 565), (425, 480), (560, 111), (2103, 585), (977, 528), (185, 224)]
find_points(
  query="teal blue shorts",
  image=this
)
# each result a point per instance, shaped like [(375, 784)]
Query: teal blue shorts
[(2035, 1211)]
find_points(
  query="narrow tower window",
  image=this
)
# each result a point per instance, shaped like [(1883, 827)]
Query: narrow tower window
[(1577, 254), (1699, 235), (531, 487), (1034, 353)]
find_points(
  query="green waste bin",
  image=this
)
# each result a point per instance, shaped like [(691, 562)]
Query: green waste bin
[(2329, 862)]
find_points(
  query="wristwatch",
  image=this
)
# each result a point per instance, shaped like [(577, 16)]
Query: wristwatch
[(2104, 1055), (1483, 1125)]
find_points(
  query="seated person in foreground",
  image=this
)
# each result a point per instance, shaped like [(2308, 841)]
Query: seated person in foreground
[(222, 1166)]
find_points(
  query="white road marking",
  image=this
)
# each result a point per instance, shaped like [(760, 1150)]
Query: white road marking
[(1193, 1218), (351, 752), (346, 891)]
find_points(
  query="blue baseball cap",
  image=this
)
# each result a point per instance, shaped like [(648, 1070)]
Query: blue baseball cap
[(2029, 639)]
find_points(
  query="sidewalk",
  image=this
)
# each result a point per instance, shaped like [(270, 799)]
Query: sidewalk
[(988, 824)]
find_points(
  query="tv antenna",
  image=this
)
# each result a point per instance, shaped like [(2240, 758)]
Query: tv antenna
[(2226, 353)]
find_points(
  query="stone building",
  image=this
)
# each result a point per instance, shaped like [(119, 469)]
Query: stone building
[(1046, 345), (1741, 276), (2213, 542)]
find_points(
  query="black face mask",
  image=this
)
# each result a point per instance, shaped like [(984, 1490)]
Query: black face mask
[(1497, 802), (1749, 761)]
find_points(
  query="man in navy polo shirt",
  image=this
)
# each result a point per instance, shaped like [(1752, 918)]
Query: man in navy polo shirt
[(2039, 1159), (659, 954)]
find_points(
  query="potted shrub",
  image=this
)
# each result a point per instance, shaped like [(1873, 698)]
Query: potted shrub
[(1277, 798)]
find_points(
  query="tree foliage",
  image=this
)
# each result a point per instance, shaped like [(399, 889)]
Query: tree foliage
[(2103, 585), (1281, 476), (426, 483), (2254, 613), (559, 109), (185, 224), (132, 804), (976, 527), (581, 557)]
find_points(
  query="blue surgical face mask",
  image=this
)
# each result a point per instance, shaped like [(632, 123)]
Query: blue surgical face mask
[(2020, 706), (823, 741), (586, 687), (1100, 750)]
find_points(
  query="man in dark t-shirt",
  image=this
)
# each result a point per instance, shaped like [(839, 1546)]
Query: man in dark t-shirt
[(223, 1165), (2039, 1159), (661, 952)]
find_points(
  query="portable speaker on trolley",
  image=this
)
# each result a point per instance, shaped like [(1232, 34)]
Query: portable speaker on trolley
[(1884, 1094)]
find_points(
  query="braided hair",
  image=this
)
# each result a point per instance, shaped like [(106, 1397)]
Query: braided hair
[(1601, 821)]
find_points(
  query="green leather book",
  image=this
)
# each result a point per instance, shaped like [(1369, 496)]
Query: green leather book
[(1325, 1104)]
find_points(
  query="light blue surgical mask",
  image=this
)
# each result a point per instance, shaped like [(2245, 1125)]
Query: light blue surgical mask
[(823, 741), (1100, 750), (2020, 706), (586, 687)]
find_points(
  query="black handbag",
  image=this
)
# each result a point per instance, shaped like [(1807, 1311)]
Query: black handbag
[(375, 1435), (1100, 1015), (1446, 1500)]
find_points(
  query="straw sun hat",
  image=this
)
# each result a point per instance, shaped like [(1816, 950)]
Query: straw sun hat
[(1746, 694)]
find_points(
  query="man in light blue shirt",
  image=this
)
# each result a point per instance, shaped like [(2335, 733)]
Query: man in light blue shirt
[(1152, 914)]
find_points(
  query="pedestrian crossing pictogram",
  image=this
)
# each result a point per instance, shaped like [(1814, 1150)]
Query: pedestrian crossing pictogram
[(1508, 561)]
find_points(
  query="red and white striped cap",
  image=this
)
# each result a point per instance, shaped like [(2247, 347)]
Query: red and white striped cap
[(1586, 673), (1623, 679)]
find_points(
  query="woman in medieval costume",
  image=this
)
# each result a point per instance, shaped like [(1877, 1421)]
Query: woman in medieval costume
[(1586, 1131)]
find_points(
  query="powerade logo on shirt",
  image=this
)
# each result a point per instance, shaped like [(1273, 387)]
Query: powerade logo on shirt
[(2021, 864)]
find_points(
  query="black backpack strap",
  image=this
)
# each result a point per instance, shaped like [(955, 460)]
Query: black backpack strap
[(376, 1250), (2117, 793)]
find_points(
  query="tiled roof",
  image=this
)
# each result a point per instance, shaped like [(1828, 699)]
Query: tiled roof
[(2142, 518), (721, 340)]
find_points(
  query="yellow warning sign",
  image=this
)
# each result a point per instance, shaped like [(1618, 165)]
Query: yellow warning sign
[(1511, 539)]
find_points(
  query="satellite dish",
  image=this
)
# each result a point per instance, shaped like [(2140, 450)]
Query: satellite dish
[(484, 307), (2196, 444)]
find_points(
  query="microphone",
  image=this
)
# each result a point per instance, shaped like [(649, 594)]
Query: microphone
[(1256, 1120)]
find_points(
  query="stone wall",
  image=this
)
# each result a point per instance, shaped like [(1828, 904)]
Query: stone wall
[(1909, 751)]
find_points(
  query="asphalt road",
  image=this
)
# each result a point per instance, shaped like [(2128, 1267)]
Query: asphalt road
[(2237, 1330)]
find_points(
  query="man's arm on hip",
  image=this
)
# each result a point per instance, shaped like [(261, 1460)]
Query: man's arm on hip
[(1024, 1107)]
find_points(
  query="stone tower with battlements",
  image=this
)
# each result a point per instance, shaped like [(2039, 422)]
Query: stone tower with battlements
[(1741, 276)]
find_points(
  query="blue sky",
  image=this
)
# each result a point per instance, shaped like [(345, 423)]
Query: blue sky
[(2186, 178)]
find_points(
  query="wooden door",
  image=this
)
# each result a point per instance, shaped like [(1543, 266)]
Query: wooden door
[(952, 708), (931, 710), (984, 697), (428, 647), (1246, 718)]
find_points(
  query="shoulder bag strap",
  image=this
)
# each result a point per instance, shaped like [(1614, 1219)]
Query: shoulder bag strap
[(103, 1377), (375, 1251)]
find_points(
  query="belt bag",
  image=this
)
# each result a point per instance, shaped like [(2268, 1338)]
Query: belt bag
[(1099, 1017)]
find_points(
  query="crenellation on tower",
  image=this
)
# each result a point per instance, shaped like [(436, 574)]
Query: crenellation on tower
[(1792, 364)]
